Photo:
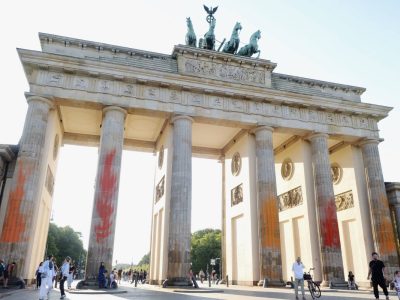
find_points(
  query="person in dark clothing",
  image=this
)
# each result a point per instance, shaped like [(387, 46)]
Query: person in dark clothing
[(377, 270), (39, 275), (101, 277)]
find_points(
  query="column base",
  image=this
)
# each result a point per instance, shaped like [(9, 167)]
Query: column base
[(177, 281), (271, 283), (337, 284)]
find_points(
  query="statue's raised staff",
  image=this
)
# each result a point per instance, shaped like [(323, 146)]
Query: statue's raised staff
[(191, 39), (252, 47), (233, 44)]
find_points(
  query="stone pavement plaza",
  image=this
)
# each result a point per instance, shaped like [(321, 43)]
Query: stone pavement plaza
[(231, 293)]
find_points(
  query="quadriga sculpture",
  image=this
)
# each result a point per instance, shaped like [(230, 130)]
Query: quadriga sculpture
[(252, 47), (191, 39), (233, 44)]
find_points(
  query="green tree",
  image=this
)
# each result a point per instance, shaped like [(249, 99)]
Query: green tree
[(206, 244), (63, 242), (145, 260)]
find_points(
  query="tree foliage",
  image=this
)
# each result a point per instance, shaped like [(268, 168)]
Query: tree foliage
[(206, 244), (63, 242), (145, 260)]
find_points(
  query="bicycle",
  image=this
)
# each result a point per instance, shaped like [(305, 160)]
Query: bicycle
[(313, 287)]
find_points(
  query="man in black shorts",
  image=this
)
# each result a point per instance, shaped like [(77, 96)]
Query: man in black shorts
[(377, 269)]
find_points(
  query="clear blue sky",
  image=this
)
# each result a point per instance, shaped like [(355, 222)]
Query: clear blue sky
[(350, 42)]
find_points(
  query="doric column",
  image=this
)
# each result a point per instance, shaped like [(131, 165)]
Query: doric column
[(382, 228), (181, 202), (267, 203), (101, 242), (223, 221), (16, 235), (331, 256)]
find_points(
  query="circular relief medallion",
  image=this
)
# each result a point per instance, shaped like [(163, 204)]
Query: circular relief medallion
[(336, 173), (161, 157), (287, 169), (55, 146), (236, 164)]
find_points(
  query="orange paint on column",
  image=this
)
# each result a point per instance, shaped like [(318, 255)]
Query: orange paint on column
[(271, 238), (104, 203), (14, 224)]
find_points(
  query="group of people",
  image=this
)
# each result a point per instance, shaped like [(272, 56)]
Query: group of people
[(105, 280), (112, 280), (376, 273), (48, 273), (5, 272)]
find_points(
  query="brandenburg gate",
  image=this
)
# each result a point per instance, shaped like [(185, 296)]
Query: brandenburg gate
[(300, 162)]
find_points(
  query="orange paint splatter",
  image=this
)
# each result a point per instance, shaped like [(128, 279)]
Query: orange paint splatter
[(384, 231), (270, 224), (14, 224), (330, 229), (104, 203)]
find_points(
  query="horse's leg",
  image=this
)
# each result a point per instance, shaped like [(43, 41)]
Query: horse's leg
[(259, 52)]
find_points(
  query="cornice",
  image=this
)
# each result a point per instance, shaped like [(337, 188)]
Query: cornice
[(323, 84), (72, 65)]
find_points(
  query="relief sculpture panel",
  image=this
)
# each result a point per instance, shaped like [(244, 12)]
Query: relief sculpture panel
[(237, 195), (344, 200), (224, 72), (290, 199)]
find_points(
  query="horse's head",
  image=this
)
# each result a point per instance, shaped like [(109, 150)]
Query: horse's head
[(237, 27), (256, 35)]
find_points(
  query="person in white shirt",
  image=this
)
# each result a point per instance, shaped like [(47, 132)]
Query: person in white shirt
[(47, 278), (298, 271), (64, 275)]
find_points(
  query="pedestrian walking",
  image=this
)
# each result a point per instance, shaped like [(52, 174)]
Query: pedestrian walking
[(396, 282), (64, 275), (47, 278), (39, 275), (298, 271), (71, 273), (377, 270), (202, 275)]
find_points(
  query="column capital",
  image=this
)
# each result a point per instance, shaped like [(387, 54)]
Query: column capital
[(369, 140), (31, 97), (180, 117), (261, 127), (314, 135), (116, 108)]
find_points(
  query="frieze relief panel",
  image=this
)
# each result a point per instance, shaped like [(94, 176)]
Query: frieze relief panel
[(290, 199), (91, 84), (216, 102), (195, 99), (224, 72), (237, 195), (174, 96), (160, 189), (344, 201), (127, 90)]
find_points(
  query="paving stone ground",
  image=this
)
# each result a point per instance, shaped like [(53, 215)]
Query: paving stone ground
[(221, 292)]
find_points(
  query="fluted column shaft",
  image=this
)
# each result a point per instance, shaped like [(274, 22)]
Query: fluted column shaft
[(382, 228), (16, 234), (331, 256), (268, 220), (179, 242), (102, 231)]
